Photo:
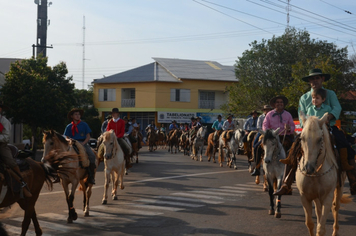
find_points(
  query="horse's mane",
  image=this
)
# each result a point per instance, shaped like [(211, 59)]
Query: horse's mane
[(54, 134), (268, 136)]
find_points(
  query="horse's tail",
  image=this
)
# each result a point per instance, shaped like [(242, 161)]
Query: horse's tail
[(49, 172)]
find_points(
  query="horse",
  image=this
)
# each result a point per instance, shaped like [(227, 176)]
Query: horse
[(69, 169), (184, 142), (272, 167), (213, 146), (35, 177), (161, 139), (134, 136), (233, 144), (198, 143), (114, 164), (152, 139), (317, 177), (173, 140)]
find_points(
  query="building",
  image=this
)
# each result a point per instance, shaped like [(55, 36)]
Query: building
[(166, 90), (16, 129)]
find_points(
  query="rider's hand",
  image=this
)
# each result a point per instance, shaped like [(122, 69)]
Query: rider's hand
[(330, 117), (287, 127)]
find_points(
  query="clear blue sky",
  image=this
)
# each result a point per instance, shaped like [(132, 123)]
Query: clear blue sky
[(124, 34)]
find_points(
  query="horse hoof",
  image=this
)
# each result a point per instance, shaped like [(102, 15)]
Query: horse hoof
[(278, 215), (235, 167), (136, 160), (126, 173), (221, 165), (265, 189), (214, 161), (75, 216), (114, 197), (86, 214), (257, 181), (104, 202), (122, 187), (270, 212), (69, 220)]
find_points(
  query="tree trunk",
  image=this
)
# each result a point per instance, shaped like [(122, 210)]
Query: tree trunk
[(34, 144)]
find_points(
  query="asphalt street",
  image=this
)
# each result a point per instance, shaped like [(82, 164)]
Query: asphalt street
[(170, 194)]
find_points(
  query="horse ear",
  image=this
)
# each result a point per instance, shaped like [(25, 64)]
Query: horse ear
[(275, 132), (323, 119), (302, 117)]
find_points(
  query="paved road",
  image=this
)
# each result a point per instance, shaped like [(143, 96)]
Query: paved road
[(169, 194)]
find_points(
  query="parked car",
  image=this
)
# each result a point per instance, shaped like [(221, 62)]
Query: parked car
[(92, 142)]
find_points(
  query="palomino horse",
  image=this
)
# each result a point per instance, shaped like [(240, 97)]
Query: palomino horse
[(114, 164), (161, 139), (173, 140), (273, 168), (198, 143), (233, 145), (37, 174), (69, 169), (317, 175), (152, 139)]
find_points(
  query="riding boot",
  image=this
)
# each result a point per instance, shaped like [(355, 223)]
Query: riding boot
[(288, 178), (245, 148), (257, 159), (343, 158), (351, 176), (286, 161), (127, 162), (16, 174), (91, 170)]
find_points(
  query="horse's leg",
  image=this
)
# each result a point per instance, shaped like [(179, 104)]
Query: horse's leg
[(271, 197), (307, 206), (265, 183), (70, 199), (121, 175), (29, 208), (87, 196), (106, 185), (278, 213), (201, 152), (115, 183), (335, 209), (38, 229), (326, 206)]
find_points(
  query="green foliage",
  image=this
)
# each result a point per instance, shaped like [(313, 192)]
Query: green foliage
[(276, 66)]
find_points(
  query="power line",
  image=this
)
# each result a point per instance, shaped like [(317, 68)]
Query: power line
[(348, 12)]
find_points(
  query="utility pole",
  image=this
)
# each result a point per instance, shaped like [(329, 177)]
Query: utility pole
[(42, 23)]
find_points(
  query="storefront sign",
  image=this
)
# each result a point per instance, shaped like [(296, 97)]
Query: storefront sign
[(179, 117), (208, 118)]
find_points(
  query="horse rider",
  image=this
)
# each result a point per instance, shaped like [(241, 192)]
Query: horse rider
[(128, 130), (229, 124), (257, 142), (316, 78), (137, 127), (105, 123), (195, 126), (217, 127), (80, 131), (181, 126), (163, 130), (186, 127), (118, 126), (6, 155), (149, 126), (250, 125), (173, 126)]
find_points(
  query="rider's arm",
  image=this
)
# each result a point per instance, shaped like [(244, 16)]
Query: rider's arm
[(266, 125), (247, 125), (87, 138)]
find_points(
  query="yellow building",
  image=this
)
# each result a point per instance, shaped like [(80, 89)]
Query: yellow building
[(166, 90)]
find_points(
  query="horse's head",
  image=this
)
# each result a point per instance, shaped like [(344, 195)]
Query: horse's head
[(271, 145), (313, 141), (239, 135), (53, 141), (202, 131), (110, 144)]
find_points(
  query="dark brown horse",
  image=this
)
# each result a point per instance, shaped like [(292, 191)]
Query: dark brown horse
[(134, 139), (37, 174), (152, 139)]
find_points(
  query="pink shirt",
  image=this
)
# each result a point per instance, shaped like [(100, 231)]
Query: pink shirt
[(274, 122)]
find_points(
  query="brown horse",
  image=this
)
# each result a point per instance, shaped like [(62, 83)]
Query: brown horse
[(213, 146), (35, 177), (161, 139), (69, 168), (152, 139), (134, 136), (184, 142), (173, 140)]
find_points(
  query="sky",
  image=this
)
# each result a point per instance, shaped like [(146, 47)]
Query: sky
[(121, 35)]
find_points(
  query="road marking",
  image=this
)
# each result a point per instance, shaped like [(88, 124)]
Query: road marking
[(243, 188), (111, 209), (197, 196), (54, 226), (169, 203), (219, 194), (161, 208), (17, 230), (189, 199), (227, 190), (157, 179), (83, 221)]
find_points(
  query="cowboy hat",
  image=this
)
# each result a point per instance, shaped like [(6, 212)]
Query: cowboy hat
[(314, 72), (228, 116), (115, 110), (219, 116), (267, 107), (273, 100), (75, 110), (254, 111)]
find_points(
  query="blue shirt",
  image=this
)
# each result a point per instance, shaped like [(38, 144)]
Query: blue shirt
[(251, 124), (218, 125), (172, 126), (81, 135), (305, 102)]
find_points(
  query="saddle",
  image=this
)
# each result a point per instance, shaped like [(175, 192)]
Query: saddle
[(227, 134), (82, 154)]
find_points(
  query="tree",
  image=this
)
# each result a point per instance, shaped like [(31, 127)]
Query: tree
[(38, 95), (276, 66)]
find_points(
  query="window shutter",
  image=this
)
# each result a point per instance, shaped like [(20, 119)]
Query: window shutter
[(101, 95), (173, 95), (185, 95)]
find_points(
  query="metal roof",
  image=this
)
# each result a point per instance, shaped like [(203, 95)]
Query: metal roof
[(173, 70)]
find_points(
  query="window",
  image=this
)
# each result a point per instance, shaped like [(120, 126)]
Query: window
[(128, 97), (106, 95), (206, 100), (180, 95)]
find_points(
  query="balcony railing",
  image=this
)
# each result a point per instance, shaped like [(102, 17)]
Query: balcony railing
[(128, 103), (207, 104)]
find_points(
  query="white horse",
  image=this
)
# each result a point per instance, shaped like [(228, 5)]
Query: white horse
[(233, 147), (198, 143), (317, 175), (272, 167), (114, 164)]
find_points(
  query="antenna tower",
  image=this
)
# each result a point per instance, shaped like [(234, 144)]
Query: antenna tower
[(288, 8), (83, 69)]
